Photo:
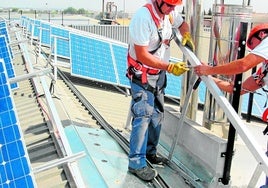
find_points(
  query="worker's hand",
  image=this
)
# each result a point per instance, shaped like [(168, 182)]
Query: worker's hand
[(188, 41), (177, 68), (203, 69)]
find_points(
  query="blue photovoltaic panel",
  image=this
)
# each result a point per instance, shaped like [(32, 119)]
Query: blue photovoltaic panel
[(202, 92), (14, 161), (45, 38), (120, 56), (23, 21), (37, 25), (5, 54), (30, 25), (3, 30), (62, 36), (92, 58), (173, 88), (3, 23)]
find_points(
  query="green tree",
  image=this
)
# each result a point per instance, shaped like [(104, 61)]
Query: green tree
[(70, 10), (81, 11), (14, 10)]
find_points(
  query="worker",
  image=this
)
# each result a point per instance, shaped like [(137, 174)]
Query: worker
[(257, 42), (148, 61)]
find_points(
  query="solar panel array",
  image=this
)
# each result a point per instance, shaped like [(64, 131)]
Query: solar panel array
[(15, 168)]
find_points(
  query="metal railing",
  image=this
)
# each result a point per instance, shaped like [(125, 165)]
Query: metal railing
[(115, 32)]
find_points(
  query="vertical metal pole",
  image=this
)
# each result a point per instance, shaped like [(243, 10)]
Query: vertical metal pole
[(194, 17), (62, 17), (102, 9), (250, 98), (40, 40), (235, 103), (9, 15), (124, 13), (250, 101), (55, 58)]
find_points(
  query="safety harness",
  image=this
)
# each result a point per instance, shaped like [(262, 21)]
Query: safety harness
[(134, 65), (265, 119)]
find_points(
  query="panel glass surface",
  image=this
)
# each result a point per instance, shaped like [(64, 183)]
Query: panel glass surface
[(92, 58), (62, 36), (14, 161), (5, 54), (37, 25), (45, 40), (120, 57)]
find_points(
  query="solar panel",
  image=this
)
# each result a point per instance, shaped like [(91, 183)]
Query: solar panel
[(6, 55), (15, 170), (173, 88), (120, 57), (30, 25), (37, 24), (92, 58), (23, 21), (3, 30), (202, 92), (62, 36), (45, 38)]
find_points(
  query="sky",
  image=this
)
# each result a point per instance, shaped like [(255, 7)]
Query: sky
[(129, 6)]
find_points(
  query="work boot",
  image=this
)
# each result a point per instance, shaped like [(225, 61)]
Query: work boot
[(146, 173), (154, 159)]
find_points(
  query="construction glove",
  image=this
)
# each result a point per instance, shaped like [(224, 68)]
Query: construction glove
[(177, 68), (188, 41)]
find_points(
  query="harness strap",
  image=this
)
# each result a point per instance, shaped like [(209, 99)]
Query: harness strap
[(159, 29), (156, 20), (157, 23), (265, 119), (261, 74), (132, 63)]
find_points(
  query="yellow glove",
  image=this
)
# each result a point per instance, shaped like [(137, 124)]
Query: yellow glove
[(177, 68), (188, 41)]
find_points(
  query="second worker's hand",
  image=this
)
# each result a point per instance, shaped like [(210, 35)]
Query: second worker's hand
[(201, 69), (177, 68)]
